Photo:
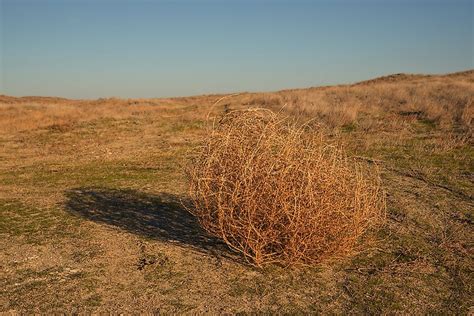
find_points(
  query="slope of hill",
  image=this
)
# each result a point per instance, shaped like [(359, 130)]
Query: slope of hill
[(91, 218)]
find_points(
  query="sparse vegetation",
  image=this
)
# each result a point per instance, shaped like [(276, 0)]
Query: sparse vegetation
[(90, 195)]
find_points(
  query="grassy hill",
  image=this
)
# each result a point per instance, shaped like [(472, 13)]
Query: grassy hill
[(91, 219)]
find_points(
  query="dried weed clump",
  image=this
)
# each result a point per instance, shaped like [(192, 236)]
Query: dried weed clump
[(279, 193)]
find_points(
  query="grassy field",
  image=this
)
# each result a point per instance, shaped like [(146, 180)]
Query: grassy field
[(91, 218)]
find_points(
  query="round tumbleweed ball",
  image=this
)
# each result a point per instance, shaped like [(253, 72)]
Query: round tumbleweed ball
[(278, 192)]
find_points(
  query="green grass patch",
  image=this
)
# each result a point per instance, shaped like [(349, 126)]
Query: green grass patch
[(35, 225)]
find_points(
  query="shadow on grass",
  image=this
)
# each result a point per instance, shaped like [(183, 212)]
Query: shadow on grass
[(161, 216)]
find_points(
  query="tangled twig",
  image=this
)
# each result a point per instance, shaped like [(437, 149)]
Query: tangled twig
[(278, 193)]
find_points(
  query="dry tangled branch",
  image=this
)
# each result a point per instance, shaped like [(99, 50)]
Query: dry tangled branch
[(278, 193)]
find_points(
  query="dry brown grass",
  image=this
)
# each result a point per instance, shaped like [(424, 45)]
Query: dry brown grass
[(446, 105), (277, 193), (446, 101), (116, 158), (30, 113)]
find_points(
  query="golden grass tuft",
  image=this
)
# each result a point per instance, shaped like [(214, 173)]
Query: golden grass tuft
[(279, 193)]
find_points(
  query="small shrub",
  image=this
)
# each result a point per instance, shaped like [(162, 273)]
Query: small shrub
[(279, 193)]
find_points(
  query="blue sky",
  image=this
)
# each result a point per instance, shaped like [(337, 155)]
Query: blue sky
[(102, 48)]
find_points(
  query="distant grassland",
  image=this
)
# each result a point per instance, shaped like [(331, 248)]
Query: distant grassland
[(91, 220)]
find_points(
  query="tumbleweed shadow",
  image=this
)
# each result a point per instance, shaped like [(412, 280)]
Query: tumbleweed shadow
[(158, 216)]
